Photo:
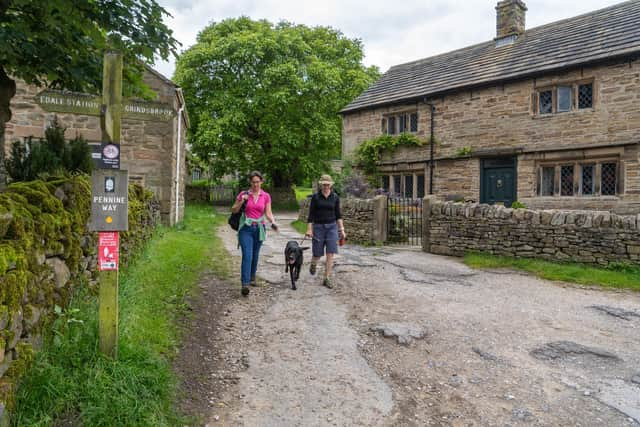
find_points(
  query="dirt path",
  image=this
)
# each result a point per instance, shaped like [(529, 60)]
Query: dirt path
[(463, 348)]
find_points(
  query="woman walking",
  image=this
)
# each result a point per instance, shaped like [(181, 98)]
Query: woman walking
[(252, 230), (325, 226)]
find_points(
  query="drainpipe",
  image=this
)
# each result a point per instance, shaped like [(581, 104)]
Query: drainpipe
[(177, 180), (431, 142)]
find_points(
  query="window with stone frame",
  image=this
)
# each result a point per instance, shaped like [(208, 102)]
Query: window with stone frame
[(608, 179), (402, 123), (408, 186), (391, 128), (397, 183), (564, 97), (587, 179), (394, 124), (385, 182), (547, 181), (420, 186), (579, 178), (545, 99), (566, 180), (585, 96), (413, 122)]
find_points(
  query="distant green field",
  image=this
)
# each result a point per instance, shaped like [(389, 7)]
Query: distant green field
[(302, 193)]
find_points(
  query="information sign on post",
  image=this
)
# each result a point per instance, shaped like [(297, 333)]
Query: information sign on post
[(109, 200), (109, 156), (108, 248)]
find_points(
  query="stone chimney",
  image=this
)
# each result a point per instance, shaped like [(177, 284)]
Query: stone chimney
[(510, 18)]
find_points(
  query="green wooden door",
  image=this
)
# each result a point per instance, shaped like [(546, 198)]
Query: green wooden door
[(498, 181)]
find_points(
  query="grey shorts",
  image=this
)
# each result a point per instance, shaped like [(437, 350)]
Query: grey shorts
[(325, 235)]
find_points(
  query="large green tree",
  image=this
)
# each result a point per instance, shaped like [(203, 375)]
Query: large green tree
[(60, 43), (264, 96)]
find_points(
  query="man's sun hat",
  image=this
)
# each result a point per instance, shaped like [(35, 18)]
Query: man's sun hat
[(325, 179)]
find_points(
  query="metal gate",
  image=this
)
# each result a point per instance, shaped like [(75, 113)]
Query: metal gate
[(404, 221)]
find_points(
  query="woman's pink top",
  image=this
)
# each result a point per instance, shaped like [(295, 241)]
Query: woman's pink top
[(256, 209)]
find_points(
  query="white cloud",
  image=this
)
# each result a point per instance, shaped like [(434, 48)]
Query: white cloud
[(392, 32)]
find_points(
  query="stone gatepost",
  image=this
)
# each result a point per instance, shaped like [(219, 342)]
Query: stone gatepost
[(427, 202), (379, 235)]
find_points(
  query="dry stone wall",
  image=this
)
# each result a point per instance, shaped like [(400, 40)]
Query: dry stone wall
[(360, 217), (45, 252), (595, 237)]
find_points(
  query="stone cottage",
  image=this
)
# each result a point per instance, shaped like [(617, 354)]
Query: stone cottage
[(548, 116), (152, 143)]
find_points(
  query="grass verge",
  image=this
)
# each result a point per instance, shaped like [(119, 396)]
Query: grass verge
[(71, 383), (617, 276)]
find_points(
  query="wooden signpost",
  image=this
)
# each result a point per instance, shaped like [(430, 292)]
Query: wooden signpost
[(109, 189), (109, 203)]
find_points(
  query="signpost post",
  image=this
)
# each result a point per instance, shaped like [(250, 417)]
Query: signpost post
[(109, 203)]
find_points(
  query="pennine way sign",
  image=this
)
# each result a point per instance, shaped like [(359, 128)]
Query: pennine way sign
[(58, 101), (109, 200)]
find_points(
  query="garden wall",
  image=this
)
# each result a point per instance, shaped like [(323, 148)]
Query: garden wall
[(364, 219), (197, 193), (594, 237), (45, 251)]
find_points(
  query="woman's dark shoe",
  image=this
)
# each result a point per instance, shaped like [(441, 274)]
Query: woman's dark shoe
[(245, 291), (327, 283), (312, 269)]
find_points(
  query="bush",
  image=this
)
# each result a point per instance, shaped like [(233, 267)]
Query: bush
[(47, 156), (356, 185)]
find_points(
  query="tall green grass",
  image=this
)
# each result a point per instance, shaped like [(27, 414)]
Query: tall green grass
[(616, 276), (71, 383)]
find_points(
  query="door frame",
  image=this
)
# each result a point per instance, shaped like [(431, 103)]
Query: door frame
[(501, 162)]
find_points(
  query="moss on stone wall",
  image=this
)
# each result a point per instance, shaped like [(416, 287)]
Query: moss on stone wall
[(45, 249)]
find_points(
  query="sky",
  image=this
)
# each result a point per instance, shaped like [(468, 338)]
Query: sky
[(392, 32)]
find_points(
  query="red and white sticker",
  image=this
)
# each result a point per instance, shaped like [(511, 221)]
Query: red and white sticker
[(108, 246)]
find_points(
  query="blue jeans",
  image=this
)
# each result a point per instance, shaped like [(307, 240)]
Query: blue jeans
[(249, 237)]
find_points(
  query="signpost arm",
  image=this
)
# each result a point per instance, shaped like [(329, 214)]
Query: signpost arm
[(108, 297)]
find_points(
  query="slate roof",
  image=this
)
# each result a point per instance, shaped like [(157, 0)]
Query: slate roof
[(593, 37)]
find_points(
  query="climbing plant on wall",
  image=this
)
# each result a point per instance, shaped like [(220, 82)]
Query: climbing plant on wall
[(369, 152)]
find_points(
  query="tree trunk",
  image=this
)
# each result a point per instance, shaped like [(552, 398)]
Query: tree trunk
[(282, 195), (7, 91)]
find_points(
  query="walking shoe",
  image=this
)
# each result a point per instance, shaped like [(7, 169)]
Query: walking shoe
[(312, 269), (253, 282), (245, 291), (327, 283)]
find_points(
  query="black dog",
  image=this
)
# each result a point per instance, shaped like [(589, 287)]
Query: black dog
[(293, 260)]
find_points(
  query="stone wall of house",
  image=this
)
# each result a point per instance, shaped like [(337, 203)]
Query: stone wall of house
[(364, 219), (148, 148), (501, 120), (594, 237), (46, 252)]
